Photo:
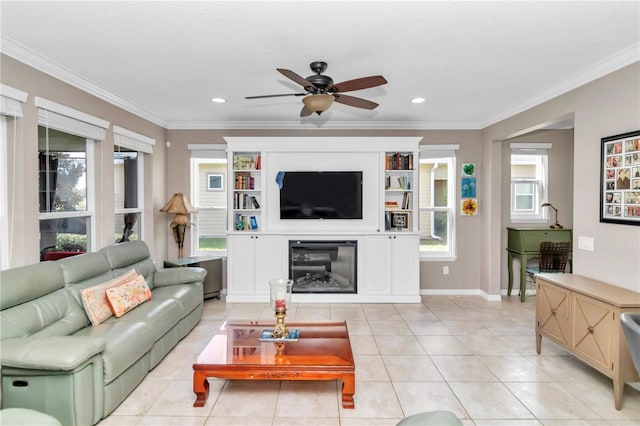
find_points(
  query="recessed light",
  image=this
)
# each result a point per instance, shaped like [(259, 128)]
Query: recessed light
[(218, 100), (418, 100)]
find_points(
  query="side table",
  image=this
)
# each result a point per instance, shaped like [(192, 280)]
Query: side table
[(212, 285)]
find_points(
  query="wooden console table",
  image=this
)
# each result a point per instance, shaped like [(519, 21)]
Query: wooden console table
[(525, 244), (583, 316)]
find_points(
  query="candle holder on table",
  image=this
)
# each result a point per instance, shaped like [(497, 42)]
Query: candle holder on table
[(280, 301)]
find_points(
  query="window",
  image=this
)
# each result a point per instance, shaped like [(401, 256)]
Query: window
[(128, 168), (128, 208), (215, 182), (528, 182), (66, 192), (437, 201), (209, 195), (63, 197), (11, 101)]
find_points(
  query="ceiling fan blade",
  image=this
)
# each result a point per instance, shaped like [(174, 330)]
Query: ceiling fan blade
[(305, 112), (355, 102), (357, 84), (295, 77), (274, 96)]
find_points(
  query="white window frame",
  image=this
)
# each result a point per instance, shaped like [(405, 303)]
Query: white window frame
[(140, 184), (11, 101), (65, 119), (4, 195), (536, 154), (205, 152), (444, 154), (142, 145)]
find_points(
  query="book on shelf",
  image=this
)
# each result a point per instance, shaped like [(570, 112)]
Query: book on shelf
[(245, 201), (255, 202), (406, 200), (244, 180), (397, 161), (390, 204)]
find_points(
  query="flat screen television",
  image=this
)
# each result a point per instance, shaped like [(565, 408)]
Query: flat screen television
[(320, 195)]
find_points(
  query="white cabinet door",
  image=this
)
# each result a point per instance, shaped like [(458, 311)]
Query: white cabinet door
[(405, 261), (268, 262), (241, 264), (377, 255)]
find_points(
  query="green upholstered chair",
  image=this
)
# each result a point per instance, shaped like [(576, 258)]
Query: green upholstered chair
[(26, 417), (431, 418), (631, 326)]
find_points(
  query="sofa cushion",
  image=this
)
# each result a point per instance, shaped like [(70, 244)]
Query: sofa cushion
[(189, 296), (22, 284), (161, 315), (54, 314), (132, 254), (85, 270), (125, 343), (127, 296), (94, 299)]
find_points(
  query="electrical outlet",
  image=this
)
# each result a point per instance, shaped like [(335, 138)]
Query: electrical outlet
[(585, 243), (445, 270)]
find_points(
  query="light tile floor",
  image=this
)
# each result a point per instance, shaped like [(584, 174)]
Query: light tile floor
[(458, 353)]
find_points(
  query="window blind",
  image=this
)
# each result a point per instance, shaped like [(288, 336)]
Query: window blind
[(208, 150), (11, 101), (530, 148), (438, 151), (132, 140), (69, 120)]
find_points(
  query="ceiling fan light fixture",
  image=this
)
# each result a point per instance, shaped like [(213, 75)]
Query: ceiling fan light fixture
[(318, 103)]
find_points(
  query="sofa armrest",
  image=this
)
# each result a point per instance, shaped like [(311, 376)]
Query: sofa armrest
[(63, 353), (173, 276)]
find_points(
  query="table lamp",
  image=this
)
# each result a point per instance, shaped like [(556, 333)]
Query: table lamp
[(179, 204), (555, 225)]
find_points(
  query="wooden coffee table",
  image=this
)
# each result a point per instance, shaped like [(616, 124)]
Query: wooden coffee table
[(323, 352)]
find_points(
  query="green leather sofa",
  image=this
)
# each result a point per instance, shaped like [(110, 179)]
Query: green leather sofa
[(55, 361)]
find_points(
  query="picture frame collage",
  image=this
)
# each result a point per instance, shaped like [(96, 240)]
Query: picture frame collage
[(620, 179), (468, 191)]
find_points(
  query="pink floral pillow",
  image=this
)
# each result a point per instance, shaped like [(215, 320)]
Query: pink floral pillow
[(127, 296), (94, 299)]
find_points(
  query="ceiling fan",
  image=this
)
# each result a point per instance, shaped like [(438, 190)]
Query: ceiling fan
[(320, 91)]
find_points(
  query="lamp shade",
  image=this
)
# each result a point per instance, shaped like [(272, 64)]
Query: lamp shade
[(178, 204), (318, 103)]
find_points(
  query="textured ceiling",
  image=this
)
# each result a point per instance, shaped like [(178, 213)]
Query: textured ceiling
[(474, 62)]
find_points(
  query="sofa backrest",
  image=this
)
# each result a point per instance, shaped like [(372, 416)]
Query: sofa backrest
[(132, 254), (34, 302), (84, 271)]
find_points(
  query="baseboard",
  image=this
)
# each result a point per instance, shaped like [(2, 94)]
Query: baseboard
[(460, 292)]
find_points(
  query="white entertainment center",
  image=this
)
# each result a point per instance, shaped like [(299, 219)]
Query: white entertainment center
[(259, 242)]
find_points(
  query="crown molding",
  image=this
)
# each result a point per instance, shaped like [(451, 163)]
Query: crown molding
[(331, 125), (606, 66), (35, 60)]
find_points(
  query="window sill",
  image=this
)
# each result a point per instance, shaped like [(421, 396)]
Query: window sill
[(437, 258), (528, 220)]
